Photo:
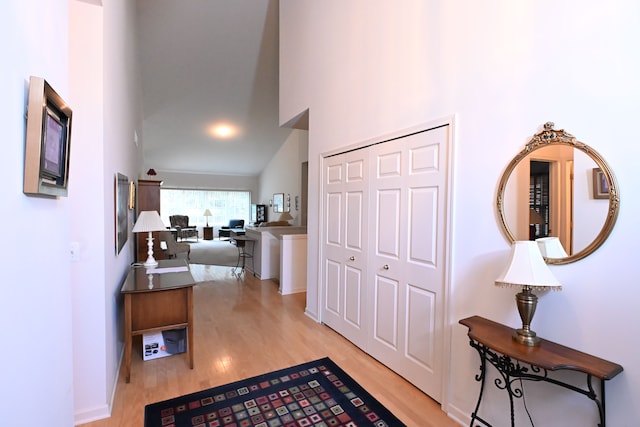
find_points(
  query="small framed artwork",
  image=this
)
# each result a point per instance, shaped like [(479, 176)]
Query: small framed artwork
[(278, 202), (48, 141), (132, 195), (600, 185), (121, 205)]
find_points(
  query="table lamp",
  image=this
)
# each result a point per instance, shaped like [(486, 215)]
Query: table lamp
[(149, 221), (285, 216), (527, 269), (551, 247), (207, 213)]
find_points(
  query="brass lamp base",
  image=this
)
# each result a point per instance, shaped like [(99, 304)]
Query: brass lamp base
[(526, 302), (528, 338)]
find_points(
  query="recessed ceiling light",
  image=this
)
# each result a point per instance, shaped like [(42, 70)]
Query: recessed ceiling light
[(222, 130)]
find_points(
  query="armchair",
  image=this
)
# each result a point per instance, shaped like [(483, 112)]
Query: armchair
[(234, 224), (183, 229), (173, 248)]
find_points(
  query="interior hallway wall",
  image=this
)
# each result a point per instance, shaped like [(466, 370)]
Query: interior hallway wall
[(36, 302), (104, 82)]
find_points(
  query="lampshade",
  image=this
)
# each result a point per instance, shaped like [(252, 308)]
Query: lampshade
[(527, 268), (285, 216), (148, 221), (207, 212), (535, 217), (551, 247)]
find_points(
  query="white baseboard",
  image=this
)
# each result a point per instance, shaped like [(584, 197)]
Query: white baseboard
[(94, 414), (103, 411), (461, 417)]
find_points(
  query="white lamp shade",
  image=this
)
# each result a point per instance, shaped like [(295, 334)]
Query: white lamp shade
[(285, 216), (527, 268), (148, 221), (207, 212), (535, 217), (551, 247)]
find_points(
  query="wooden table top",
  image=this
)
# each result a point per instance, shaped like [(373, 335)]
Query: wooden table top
[(139, 279), (547, 355)]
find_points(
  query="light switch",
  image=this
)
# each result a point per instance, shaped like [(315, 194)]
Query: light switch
[(75, 251)]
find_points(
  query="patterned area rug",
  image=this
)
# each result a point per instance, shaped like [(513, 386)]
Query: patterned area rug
[(314, 394)]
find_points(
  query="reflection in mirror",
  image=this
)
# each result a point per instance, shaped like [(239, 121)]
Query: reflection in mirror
[(546, 191)]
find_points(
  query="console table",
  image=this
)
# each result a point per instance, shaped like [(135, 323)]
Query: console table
[(515, 362), (157, 302)]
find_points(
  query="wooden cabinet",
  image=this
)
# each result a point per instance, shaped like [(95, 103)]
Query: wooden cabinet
[(148, 199)]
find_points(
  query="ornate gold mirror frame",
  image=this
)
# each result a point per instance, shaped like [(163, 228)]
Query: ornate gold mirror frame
[(549, 137)]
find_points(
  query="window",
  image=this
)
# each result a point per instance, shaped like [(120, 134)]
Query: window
[(224, 205)]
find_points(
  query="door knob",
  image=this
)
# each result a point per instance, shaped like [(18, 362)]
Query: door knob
[(352, 258), (386, 267)]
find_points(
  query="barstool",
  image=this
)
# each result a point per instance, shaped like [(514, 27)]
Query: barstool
[(244, 253)]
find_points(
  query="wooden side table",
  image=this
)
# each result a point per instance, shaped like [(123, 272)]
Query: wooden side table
[(515, 362), (207, 233), (157, 302)]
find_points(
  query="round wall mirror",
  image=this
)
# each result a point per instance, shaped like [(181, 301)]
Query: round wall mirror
[(561, 193)]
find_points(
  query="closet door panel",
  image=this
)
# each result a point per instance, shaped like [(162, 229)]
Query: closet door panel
[(345, 245), (332, 298), (353, 289), (423, 225), (409, 185), (385, 327), (388, 223), (420, 330)]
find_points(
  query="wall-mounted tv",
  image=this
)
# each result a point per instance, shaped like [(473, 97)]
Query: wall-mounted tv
[(48, 141)]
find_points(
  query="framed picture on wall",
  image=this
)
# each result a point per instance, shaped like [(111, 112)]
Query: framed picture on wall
[(278, 202), (122, 197), (600, 185)]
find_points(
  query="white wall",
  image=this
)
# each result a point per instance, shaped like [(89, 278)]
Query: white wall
[(122, 120), (105, 98), (61, 318), (368, 68), (86, 75), (35, 308), (282, 174)]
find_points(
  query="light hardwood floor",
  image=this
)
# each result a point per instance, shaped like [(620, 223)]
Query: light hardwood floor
[(245, 328)]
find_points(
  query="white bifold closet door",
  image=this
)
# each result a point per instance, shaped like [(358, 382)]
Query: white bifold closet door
[(384, 246)]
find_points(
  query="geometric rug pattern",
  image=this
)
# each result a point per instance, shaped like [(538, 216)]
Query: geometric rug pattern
[(313, 394)]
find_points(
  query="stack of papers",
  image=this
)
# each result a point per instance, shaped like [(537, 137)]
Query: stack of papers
[(169, 266)]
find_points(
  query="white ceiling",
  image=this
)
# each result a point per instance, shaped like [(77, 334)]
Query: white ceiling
[(203, 62)]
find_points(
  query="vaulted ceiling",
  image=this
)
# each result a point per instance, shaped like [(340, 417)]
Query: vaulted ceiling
[(206, 63)]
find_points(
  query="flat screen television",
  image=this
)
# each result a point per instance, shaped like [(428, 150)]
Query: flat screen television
[(47, 142)]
